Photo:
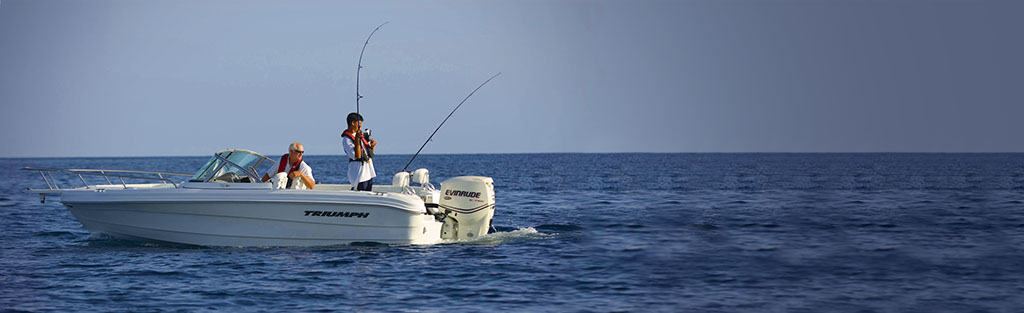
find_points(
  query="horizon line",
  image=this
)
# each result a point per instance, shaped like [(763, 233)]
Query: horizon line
[(494, 153)]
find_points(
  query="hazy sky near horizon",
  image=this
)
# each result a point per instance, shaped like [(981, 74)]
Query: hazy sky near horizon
[(165, 78)]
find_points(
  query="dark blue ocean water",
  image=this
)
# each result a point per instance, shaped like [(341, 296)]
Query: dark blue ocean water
[(581, 232)]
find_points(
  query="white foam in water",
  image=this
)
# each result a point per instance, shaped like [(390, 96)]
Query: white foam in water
[(525, 233)]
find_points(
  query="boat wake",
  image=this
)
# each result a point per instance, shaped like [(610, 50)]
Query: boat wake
[(506, 236)]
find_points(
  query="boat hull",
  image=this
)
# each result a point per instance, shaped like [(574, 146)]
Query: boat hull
[(255, 217)]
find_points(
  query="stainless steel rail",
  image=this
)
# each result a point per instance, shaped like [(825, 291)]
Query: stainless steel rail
[(106, 174)]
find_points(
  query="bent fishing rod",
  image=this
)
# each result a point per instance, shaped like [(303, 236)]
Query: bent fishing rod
[(446, 119), (358, 96)]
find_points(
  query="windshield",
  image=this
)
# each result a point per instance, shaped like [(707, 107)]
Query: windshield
[(233, 166)]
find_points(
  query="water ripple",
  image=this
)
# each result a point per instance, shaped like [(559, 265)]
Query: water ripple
[(582, 232)]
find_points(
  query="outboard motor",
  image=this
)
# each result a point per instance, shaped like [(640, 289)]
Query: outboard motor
[(468, 202)]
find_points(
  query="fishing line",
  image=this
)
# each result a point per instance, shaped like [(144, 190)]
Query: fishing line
[(446, 119)]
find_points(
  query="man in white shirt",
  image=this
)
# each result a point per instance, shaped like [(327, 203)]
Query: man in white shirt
[(292, 168), (360, 154)]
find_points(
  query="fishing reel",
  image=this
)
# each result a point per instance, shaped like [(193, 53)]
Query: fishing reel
[(366, 134)]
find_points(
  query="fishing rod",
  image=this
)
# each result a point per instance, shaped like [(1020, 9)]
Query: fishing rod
[(445, 120), (358, 96)]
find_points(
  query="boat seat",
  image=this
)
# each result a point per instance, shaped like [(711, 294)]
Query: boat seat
[(227, 178)]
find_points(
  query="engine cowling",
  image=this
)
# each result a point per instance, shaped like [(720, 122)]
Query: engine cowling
[(468, 202)]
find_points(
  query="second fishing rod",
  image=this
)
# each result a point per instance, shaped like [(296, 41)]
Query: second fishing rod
[(360, 96)]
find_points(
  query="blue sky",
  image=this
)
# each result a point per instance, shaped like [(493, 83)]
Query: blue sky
[(165, 78)]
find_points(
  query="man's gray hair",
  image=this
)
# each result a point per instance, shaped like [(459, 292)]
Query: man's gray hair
[(293, 146)]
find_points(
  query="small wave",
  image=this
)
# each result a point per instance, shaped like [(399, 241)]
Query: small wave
[(244, 302), (336, 262), (7, 202), (83, 265), (368, 244), (618, 225), (883, 248), (55, 234), (704, 226), (503, 228), (150, 273), (211, 294), (556, 227)]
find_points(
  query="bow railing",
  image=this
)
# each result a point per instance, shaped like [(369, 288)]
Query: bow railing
[(120, 175)]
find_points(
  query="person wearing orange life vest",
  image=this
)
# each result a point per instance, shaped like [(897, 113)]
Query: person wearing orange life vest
[(298, 172), (360, 154)]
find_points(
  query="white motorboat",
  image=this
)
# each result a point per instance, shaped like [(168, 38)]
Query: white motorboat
[(225, 204)]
